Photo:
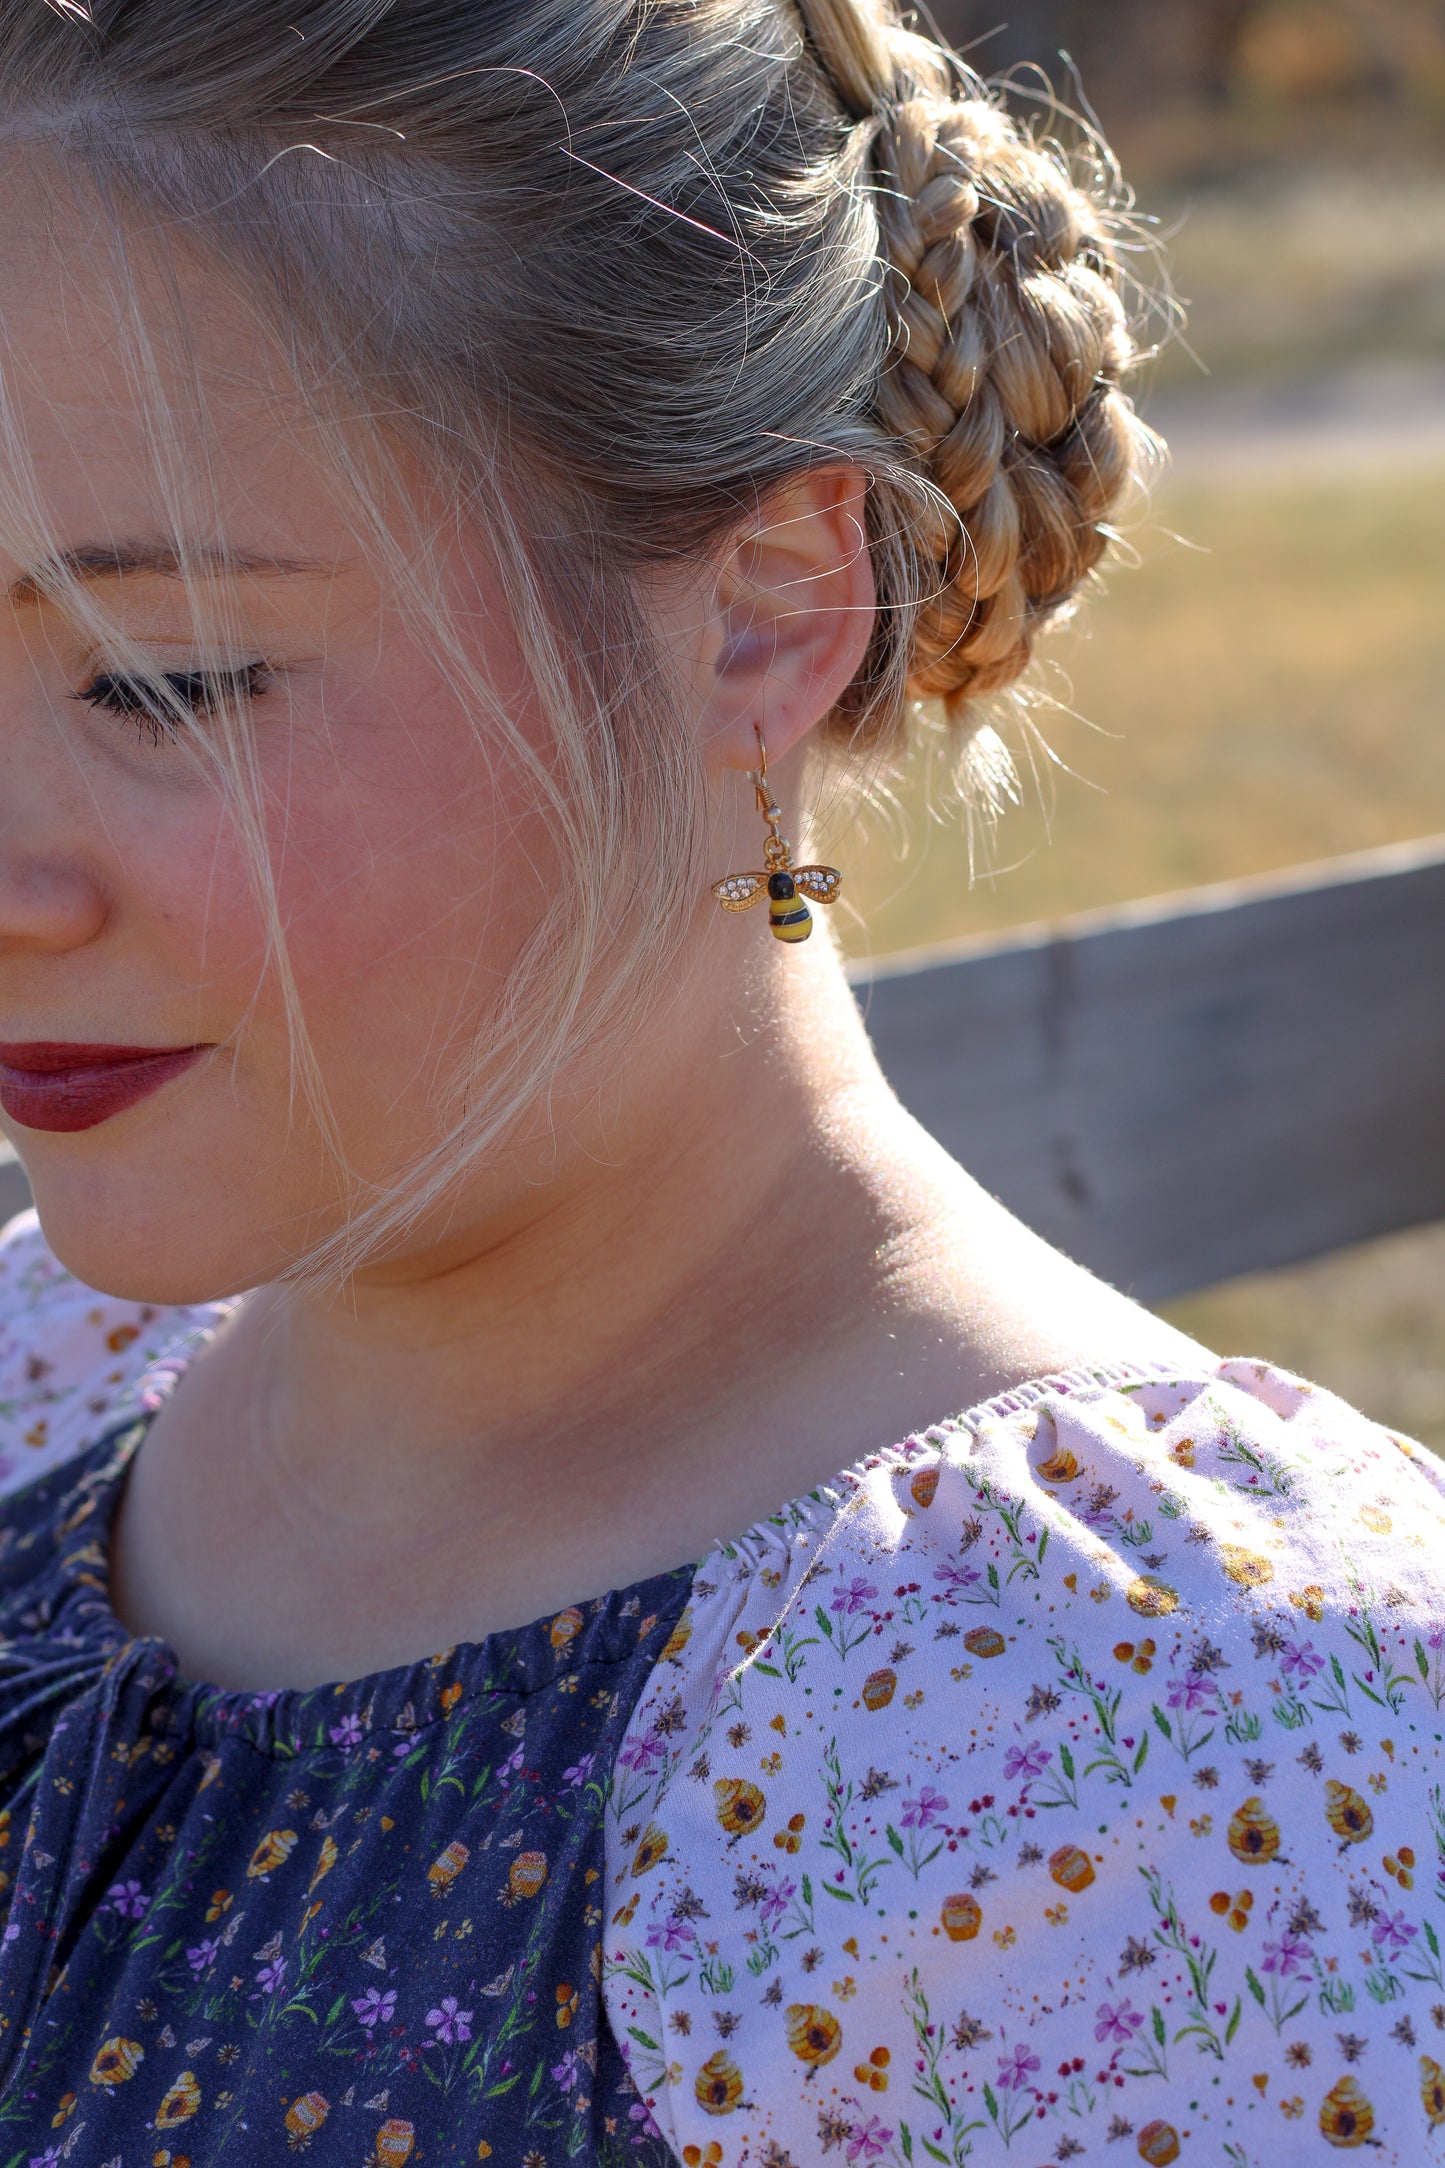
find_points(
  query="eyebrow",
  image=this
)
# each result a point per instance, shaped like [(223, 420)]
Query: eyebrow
[(90, 561)]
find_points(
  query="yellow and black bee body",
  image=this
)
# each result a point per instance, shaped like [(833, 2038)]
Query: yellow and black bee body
[(787, 889), (788, 914)]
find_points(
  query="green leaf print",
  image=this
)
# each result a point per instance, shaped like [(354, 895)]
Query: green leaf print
[(1432, 1671), (856, 1864), (1267, 1476), (1064, 1792), (1275, 2004), (1199, 1962), (1153, 2054), (1340, 1699), (1432, 1972)]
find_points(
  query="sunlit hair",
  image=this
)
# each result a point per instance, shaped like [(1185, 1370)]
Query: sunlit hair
[(610, 269)]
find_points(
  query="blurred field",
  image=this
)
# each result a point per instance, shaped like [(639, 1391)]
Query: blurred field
[(1289, 274), (1261, 690)]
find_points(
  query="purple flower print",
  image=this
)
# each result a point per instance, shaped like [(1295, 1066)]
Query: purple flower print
[(1027, 1761), (1289, 1955), (1191, 1692), (202, 1955), (855, 1598), (272, 1978), (955, 1579), (927, 1807), (644, 1754), (1015, 2070), (1303, 1659), (1392, 1933), (128, 1899), (450, 2023), (671, 1935), (1118, 2025), (640, 2113), (566, 2073), (866, 2141), (347, 1734), (50, 2158), (376, 2007), (580, 1771), (777, 1901), (511, 1767), (1435, 1639)]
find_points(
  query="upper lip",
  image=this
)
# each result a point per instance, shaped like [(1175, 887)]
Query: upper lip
[(49, 1056)]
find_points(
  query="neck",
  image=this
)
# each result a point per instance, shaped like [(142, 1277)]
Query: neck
[(760, 1271), (658, 1247)]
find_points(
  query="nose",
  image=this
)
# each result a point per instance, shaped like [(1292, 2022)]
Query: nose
[(48, 903)]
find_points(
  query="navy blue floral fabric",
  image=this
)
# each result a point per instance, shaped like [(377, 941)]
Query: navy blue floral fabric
[(361, 1924)]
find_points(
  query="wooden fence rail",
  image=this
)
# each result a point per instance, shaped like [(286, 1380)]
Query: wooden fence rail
[(1186, 1089), (1208, 1084)]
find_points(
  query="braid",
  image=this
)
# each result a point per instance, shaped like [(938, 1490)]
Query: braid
[(1009, 342)]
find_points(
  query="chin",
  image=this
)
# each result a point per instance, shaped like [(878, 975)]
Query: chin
[(155, 1235)]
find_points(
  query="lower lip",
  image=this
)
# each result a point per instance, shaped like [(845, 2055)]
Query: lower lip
[(91, 1092)]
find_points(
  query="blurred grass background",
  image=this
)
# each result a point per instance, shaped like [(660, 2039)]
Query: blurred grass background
[(1261, 687)]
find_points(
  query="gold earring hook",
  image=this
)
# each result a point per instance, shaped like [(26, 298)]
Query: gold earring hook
[(772, 813)]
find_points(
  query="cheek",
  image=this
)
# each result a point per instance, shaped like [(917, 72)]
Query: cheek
[(407, 877)]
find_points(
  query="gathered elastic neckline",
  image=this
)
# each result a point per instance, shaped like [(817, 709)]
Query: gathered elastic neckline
[(802, 1514), (358, 1715), (378, 1712)]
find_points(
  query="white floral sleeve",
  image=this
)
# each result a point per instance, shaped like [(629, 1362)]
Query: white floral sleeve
[(73, 1363), (1065, 1780)]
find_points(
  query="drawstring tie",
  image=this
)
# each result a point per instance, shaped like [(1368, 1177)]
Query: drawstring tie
[(81, 1795)]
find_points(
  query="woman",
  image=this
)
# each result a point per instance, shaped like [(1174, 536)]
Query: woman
[(462, 467)]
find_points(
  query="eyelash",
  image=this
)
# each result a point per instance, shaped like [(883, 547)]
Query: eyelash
[(201, 691)]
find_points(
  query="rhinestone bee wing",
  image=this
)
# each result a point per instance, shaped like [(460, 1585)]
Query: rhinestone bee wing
[(740, 891), (823, 883)]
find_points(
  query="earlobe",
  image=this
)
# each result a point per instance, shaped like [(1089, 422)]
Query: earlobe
[(794, 606)]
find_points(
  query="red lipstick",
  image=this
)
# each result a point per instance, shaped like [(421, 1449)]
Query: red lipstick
[(73, 1084)]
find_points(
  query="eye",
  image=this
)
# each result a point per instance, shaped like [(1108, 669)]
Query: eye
[(150, 703)]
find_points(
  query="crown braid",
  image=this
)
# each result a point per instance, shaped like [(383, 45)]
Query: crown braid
[(1009, 343)]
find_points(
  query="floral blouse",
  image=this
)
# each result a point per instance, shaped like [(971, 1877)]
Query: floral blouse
[(1065, 1780)]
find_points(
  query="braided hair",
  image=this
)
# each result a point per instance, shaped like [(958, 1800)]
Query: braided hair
[(1009, 343)]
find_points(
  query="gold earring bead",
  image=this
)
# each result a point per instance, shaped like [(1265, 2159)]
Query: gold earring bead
[(785, 885)]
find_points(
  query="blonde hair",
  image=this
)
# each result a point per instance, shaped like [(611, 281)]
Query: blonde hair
[(629, 264)]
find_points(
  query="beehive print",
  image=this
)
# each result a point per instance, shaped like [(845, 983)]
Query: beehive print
[(719, 2087), (1253, 1833), (116, 2061), (1346, 2116), (741, 1805), (180, 2103), (814, 2034)]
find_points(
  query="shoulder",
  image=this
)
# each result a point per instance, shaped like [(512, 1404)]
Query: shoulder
[(71, 1360), (1066, 1743)]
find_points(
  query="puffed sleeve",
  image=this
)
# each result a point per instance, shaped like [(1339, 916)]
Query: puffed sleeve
[(1067, 1777), (73, 1363)]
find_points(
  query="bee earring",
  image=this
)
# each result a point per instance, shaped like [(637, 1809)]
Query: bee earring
[(784, 884)]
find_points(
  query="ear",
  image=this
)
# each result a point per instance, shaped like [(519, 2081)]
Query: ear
[(791, 617)]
